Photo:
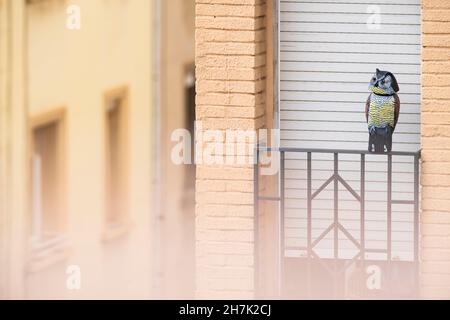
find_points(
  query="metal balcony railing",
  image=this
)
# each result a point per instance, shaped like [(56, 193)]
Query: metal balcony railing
[(308, 270)]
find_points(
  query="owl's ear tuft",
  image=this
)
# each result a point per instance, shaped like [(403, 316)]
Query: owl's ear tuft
[(379, 74), (394, 83)]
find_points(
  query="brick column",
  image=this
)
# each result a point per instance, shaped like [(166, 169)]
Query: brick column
[(230, 70), (435, 277)]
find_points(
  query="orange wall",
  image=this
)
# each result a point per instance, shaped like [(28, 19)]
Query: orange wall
[(435, 229)]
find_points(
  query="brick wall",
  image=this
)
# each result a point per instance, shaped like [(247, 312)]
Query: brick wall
[(230, 70), (435, 279)]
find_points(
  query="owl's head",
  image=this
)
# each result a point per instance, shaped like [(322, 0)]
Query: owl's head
[(383, 82)]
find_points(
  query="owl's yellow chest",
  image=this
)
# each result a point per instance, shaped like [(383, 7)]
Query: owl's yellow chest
[(381, 111)]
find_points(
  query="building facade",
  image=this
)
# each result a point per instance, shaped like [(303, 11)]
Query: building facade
[(302, 67), (92, 206), (84, 131), (99, 110), (88, 186)]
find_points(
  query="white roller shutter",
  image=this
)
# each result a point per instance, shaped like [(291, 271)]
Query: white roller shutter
[(327, 56)]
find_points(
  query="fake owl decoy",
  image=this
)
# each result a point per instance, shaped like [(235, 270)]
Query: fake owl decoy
[(382, 111)]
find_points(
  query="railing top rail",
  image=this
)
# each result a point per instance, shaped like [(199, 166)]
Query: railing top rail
[(339, 151)]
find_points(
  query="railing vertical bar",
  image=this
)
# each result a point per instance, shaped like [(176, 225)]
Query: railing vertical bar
[(363, 209), (309, 226), (416, 224), (389, 218), (281, 222), (256, 219), (336, 221)]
